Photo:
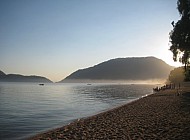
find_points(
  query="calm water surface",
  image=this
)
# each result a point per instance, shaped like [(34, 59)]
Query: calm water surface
[(27, 108)]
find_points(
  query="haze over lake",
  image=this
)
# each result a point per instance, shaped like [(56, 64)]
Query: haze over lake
[(53, 43)]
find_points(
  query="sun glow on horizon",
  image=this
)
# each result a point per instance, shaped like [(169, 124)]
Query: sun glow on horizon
[(167, 56), (79, 34)]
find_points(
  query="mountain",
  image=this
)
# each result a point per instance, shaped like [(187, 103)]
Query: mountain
[(22, 78), (135, 68), (2, 73)]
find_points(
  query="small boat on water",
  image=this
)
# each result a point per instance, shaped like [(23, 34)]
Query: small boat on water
[(89, 84), (41, 84)]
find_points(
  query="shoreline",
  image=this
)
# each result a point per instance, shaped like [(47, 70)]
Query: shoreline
[(143, 118), (83, 118)]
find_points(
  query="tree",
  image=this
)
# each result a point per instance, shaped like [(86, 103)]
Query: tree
[(180, 36), (176, 75)]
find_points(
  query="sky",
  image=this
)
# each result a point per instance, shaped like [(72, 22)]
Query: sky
[(53, 38)]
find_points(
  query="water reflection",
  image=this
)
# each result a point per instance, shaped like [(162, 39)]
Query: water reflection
[(27, 109), (114, 94)]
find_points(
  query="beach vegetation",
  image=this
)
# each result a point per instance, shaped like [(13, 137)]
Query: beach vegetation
[(176, 75), (180, 37)]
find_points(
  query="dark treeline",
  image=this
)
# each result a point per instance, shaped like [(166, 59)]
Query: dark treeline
[(180, 37)]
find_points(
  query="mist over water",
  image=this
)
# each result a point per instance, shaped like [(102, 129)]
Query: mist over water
[(27, 108)]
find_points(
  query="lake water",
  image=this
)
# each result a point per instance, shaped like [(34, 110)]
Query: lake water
[(27, 109)]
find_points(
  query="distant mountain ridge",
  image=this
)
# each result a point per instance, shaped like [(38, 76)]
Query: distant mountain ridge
[(22, 78), (2, 73), (134, 68)]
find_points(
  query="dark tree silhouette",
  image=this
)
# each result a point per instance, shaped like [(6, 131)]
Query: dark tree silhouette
[(180, 35)]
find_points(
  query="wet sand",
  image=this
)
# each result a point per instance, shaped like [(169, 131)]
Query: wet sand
[(162, 115)]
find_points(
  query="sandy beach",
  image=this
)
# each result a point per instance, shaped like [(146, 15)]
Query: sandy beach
[(163, 115)]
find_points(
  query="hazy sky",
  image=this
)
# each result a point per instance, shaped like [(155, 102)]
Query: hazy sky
[(54, 38)]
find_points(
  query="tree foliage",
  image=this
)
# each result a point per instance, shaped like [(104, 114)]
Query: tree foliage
[(176, 75), (180, 35)]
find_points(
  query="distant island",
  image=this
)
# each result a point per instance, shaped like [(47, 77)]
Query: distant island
[(21, 78), (134, 68)]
